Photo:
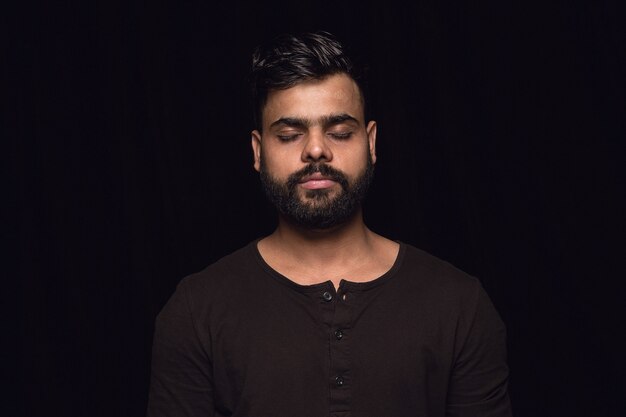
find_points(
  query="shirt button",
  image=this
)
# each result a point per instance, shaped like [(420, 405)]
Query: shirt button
[(339, 381), (327, 296), (338, 334)]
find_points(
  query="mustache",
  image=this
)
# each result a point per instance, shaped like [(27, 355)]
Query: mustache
[(326, 170)]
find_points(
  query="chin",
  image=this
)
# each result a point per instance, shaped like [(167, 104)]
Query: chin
[(316, 194)]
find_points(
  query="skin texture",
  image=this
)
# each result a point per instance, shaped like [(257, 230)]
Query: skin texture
[(320, 121)]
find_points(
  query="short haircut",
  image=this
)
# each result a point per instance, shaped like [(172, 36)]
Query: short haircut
[(292, 59)]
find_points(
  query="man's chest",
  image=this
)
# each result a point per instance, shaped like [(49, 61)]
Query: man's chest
[(335, 348)]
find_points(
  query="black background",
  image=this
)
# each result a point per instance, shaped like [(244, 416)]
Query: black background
[(501, 150)]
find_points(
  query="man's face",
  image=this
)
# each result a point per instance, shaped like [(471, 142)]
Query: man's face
[(316, 154)]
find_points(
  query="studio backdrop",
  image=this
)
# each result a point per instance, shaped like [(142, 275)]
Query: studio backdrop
[(500, 150)]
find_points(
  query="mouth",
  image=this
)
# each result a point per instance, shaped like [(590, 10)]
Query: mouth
[(316, 181)]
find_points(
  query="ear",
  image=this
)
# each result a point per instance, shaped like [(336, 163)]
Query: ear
[(371, 138), (256, 149)]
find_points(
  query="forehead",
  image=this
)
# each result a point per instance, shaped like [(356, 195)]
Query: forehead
[(313, 99)]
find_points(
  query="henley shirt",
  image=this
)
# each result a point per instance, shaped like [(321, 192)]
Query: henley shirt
[(239, 339)]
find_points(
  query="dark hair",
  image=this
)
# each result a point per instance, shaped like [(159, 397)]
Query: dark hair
[(292, 59)]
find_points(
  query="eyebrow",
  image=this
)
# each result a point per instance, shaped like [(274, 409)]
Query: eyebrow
[(326, 121)]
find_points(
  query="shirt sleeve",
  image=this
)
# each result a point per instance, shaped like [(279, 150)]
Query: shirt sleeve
[(478, 384), (181, 381)]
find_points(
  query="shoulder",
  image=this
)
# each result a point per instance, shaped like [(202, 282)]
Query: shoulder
[(231, 273), (445, 291), (435, 281), (434, 270)]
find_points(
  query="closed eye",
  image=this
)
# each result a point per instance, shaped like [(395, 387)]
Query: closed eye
[(340, 135), (288, 138)]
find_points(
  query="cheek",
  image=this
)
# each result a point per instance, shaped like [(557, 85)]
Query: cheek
[(354, 161), (277, 164)]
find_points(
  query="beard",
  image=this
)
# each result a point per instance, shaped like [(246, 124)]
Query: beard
[(318, 208)]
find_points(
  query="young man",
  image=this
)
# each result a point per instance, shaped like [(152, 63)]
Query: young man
[(324, 317)]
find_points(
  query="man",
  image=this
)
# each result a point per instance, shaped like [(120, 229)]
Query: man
[(324, 317)]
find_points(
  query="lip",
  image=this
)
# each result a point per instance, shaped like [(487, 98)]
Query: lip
[(316, 181), (316, 176)]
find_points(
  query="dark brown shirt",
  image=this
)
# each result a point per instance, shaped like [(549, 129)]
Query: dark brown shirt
[(239, 339)]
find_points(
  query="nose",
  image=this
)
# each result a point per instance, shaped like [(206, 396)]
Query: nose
[(316, 148)]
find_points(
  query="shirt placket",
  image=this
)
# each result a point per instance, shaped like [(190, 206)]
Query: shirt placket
[(337, 317)]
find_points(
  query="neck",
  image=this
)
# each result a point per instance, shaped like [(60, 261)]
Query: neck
[(312, 256), (322, 246)]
